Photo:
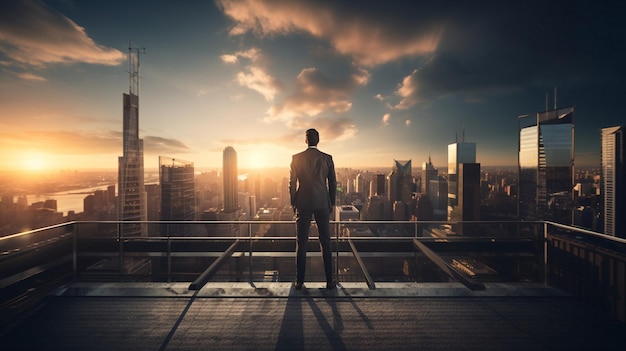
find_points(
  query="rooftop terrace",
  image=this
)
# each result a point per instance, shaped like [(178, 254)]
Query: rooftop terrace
[(501, 286)]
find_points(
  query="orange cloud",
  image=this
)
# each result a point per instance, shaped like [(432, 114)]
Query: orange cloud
[(408, 91), (33, 34), (386, 118), (317, 93), (368, 37), (253, 54), (256, 78), (31, 77)]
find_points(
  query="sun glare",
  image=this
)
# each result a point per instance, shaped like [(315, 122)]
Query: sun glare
[(262, 156), (35, 163), (257, 160)]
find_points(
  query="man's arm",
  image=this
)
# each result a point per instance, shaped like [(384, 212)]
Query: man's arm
[(293, 179), (332, 181)]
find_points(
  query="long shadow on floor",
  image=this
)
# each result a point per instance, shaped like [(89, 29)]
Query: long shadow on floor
[(291, 335), (332, 332)]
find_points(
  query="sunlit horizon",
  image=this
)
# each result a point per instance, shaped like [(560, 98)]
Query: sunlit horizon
[(380, 83)]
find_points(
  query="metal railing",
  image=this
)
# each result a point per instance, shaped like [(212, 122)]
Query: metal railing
[(588, 264)]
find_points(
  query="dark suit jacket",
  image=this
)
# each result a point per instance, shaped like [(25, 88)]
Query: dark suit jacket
[(312, 182)]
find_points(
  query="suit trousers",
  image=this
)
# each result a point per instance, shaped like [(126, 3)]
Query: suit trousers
[(303, 223)]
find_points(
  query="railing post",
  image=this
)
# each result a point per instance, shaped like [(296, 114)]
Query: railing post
[(169, 259), (250, 280), (545, 252), (337, 251), (75, 250), (120, 249)]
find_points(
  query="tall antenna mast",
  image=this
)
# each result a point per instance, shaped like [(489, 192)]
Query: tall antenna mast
[(555, 97), (133, 68)]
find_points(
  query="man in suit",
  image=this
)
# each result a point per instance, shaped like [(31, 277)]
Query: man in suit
[(312, 188)]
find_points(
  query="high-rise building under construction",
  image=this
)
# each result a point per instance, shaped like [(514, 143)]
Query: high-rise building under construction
[(131, 191)]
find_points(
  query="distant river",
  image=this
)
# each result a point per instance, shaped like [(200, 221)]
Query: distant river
[(69, 200)]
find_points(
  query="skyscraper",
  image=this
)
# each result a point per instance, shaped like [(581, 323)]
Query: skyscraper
[(546, 166), (377, 185), (401, 187), (429, 172), (468, 205), (132, 193), (178, 189), (359, 184), (613, 188), (229, 174), (458, 153)]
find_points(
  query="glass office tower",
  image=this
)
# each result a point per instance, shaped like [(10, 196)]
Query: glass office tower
[(546, 166), (458, 153), (613, 181)]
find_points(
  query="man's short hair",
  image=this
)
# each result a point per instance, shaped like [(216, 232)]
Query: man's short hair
[(312, 137)]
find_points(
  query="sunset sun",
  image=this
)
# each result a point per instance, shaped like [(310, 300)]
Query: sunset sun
[(35, 163)]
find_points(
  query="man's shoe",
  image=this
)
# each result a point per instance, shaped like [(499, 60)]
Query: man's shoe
[(331, 285), (297, 285)]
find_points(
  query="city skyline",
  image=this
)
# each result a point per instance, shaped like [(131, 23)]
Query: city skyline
[(380, 82)]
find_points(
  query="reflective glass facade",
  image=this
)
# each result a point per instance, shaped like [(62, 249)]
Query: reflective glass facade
[(613, 181), (131, 190), (230, 180), (546, 165)]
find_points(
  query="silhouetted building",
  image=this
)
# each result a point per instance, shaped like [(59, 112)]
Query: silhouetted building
[(613, 187), (50, 204), (468, 207), (178, 189), (423, 210), (377, 185), (401, 188), (438, 195), (429, 172), (546, 166), (153, 201)]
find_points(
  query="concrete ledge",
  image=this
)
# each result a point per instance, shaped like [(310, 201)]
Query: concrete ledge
[(312, 289)]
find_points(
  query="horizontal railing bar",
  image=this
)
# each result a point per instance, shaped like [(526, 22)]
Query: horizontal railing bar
[(588, 232), (293, 222), (33, 231)]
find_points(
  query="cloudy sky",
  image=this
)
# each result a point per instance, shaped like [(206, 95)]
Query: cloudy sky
[(380, 80)]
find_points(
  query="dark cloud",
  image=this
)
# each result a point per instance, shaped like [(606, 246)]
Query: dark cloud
[(156, 145), (83, 143), (32, 34), (508, 45), (329, 128), (317, 93)]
